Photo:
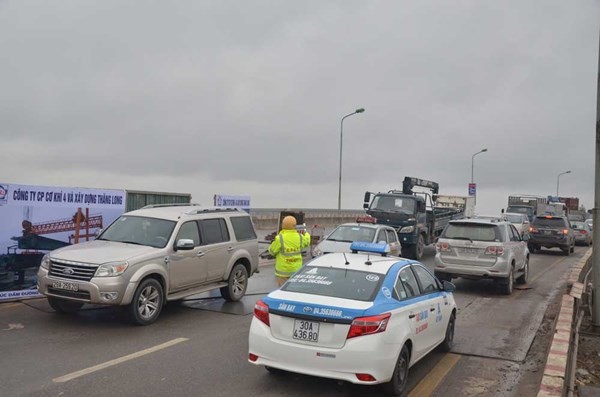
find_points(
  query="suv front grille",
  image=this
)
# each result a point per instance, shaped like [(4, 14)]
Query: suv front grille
[(72, 270)]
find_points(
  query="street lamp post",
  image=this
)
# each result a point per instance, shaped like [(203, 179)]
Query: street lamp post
[(473, 162), (341, 139), (558, 180)]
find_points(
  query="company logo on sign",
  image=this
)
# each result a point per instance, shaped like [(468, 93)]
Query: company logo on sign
[(307, 309), (3, 194)]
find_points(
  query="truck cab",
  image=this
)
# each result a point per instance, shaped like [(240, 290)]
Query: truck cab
[(414, 215)]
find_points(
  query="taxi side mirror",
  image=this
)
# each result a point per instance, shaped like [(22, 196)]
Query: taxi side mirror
[(448, 286)]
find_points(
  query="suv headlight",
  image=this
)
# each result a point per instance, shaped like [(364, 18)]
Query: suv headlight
[(45, 262), (407, 229), (111, 269)]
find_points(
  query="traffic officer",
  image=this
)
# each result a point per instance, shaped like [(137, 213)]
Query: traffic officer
[(287, 249)]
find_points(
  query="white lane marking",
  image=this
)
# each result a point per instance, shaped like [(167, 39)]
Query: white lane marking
[(117, 361), (12, 326)]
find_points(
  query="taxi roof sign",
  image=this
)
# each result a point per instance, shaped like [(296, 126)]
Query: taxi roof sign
[(375, 248)]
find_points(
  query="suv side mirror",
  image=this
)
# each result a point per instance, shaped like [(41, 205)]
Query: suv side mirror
[(185, 244), (448, 286)]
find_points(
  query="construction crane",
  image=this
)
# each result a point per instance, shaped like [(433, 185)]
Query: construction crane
[(77, 223)]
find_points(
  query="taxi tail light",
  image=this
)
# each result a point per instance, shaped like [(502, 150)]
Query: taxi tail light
[(252, 357), (533, 229), (583, 231), (565, 231), (368, 325), (261, 312), (443, 247), (366, 377), (494, 250)]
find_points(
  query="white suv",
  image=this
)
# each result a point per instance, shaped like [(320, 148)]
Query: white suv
[(153, 255), (480, 248)]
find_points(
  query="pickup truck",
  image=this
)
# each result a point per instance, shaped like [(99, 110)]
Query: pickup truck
[(527, 204), (417, 219)]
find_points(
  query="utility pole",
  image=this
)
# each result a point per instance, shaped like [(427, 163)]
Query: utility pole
[(596, 212)]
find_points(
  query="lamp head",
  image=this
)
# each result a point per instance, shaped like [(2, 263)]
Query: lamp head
[(359, 110)]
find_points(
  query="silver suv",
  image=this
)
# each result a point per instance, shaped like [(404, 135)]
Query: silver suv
[(153, 255), (480, 248)]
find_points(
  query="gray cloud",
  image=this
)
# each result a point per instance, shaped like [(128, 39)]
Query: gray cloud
[(211, 96)]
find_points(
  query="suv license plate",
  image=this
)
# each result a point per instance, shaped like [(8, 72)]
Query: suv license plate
[(66, 286), (468, 250), (547, 231), (306, 330)]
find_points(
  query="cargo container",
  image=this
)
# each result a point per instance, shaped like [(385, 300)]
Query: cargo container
[(137, 199), (572, 203)]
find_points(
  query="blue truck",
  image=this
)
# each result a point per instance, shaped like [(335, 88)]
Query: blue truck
[(417, 218)]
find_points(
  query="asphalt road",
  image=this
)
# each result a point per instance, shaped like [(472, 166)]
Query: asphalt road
[(200, 347)]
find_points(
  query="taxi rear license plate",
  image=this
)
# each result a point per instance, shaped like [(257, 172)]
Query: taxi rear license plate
[(468, 250), (65, 285), (306, 330)]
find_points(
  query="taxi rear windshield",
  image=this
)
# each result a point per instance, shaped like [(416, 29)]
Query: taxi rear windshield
[(334, 282)]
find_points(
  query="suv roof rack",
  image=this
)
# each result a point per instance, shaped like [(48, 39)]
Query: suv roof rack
[(208, 210), (170, 205)]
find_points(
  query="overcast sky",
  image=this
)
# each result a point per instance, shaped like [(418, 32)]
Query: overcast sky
[(246, 97)]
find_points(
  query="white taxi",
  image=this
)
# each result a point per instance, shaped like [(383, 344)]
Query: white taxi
[(358, 317)]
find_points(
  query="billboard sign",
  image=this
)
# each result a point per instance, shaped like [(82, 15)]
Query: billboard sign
[(39, 219), (222, 200), (472, 189)]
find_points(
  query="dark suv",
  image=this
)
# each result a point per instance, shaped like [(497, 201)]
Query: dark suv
[(551, 232)]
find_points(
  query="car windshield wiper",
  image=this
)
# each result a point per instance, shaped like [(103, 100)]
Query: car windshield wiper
[(340, 241), (131, 242), (462, 238)]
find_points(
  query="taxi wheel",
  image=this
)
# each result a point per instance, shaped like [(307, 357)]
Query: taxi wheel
[(397, 385), (446, 345), (64, 306)]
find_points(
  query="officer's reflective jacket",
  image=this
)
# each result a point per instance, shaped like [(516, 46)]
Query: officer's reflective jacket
[(287, 250)]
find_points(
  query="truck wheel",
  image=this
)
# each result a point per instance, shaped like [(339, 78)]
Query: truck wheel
[(236, 285), (64, 306), (573, 248), (147, 302), (567, 251)]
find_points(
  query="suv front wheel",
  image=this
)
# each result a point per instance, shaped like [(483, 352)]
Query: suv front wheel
[(147, 302), (236, 284)]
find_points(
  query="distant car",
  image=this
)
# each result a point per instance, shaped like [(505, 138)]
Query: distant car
[(355, 317), (583, 233), (520, 221), (479, 249), (344, 235), (551, 231)]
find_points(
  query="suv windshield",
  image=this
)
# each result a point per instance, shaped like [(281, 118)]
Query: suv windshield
[(404, 204), (550, 222), (349, 234), (472, 231), (139, 230), (338, 283)]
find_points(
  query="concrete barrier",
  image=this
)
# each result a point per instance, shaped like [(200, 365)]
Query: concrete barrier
[(560, 353), (267, 218)]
